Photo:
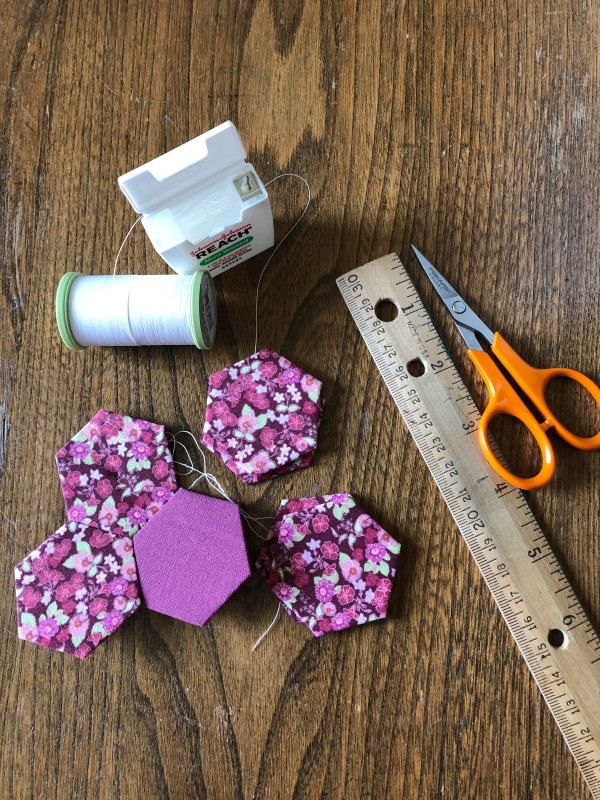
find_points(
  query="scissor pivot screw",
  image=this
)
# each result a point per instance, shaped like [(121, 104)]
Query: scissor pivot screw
[(459, 307)]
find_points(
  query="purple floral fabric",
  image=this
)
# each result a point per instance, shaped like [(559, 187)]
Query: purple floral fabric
[(329, 563), (75, 589), (263, 416), (116, 473)]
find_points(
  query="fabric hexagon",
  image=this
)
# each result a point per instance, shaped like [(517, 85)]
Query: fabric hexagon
[(75, 589), (116, 473), (329, 563), (263, 416), (191, 557)]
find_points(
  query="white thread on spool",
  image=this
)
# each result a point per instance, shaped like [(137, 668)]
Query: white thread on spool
[(132, 310)]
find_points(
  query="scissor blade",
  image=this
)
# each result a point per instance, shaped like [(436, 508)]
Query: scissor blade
[(466, 320)]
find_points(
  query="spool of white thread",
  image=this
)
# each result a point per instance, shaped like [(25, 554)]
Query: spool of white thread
[(131, 310)]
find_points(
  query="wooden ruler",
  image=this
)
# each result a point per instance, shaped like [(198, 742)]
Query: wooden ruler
[(546, 619)]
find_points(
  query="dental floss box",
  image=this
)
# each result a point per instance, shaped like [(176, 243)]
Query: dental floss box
[(202, 204)]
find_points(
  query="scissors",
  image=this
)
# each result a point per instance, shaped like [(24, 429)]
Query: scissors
[(503, 399)]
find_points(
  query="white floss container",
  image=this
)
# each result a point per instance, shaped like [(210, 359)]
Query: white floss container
[(202, 204)]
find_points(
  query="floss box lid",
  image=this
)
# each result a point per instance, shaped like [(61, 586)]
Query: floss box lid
[(203, 205)]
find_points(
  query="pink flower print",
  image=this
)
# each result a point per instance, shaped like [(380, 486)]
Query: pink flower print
[(329, 569), (338, 499), (283, 591), (107, 517), (98, 606), (120, 603), (290, 376), (260, 463), (68, 606), (160, 470), (358, 555), (309, 384), (346, 595), (298, 562), (329, 609), (268, 369), (324, 625), (82, 651), (77, 513), (286, 532), (296, 422), (216, 379), (324, 591), (73, 478), (62, 636), (375, 552), (340, 621), (112, 621), (132, 591), (330, 550), (123, 547), (118, 586), (82, 562), (101, 539), (78, 625), (364, 520), (385, 587), (299, 443), (28, 632), (267, 437), (301, 579), (309, 408), (161, 494), (128, 570), (132, 431), (372, 580), (351, 570), (370, 535), (247, 423), (30, 598), (140, 450), (320, 523), (79, 450), (47, 628), (136, 516), (112, 463), (260, 400), (104, 488)]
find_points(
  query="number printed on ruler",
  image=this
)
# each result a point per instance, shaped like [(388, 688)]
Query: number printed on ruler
[(547, 621)]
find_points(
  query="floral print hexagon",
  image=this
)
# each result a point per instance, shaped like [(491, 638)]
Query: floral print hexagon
[(262, 416), (329, 563), (75, 589), (116, 473)]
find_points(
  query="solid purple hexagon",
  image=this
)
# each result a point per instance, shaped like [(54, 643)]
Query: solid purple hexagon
[(191, 557), (330, 564), (116, 473), (262, 416), (75, 589)]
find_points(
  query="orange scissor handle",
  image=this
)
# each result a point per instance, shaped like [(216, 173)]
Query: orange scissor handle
[(534, 381), (504, 400)]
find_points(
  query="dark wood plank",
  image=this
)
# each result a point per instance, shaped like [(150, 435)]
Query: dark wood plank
[(470, 129)]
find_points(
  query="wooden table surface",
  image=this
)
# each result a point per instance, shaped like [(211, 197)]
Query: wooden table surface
[(470, 129)]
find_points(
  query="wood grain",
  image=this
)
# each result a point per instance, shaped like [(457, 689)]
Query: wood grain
[(470, 129)]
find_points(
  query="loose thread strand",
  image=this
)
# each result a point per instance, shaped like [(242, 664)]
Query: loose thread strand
[(279, 243), (127, 235), (267, 630)]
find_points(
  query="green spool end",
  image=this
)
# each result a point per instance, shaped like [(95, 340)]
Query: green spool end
[(203, 311), (62, 310)]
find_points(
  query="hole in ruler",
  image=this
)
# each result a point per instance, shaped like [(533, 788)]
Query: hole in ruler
[(416, 368), (386, 310), (557, 638)]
